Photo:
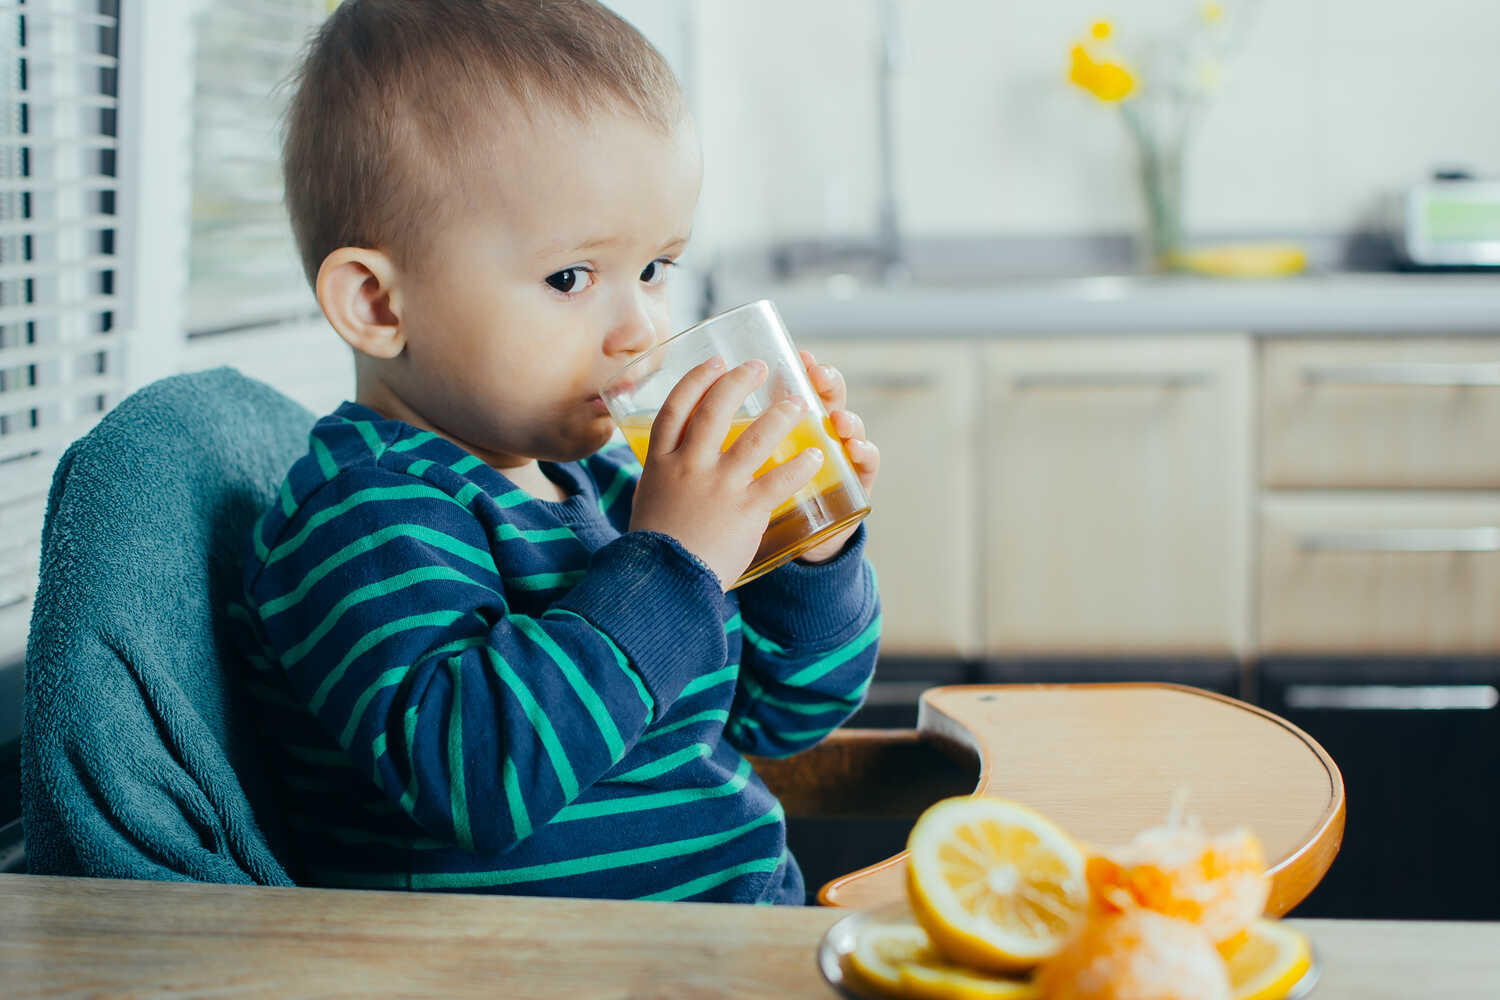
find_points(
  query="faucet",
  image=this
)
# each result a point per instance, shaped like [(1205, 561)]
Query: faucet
[(885, 255), (888, 220)]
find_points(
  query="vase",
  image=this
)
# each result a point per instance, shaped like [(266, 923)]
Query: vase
[(1160, 174), (1159, 131)]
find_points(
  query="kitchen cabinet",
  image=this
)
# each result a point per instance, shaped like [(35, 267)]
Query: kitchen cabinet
[(919, 403), (1379, 503), (1117, 496), (1212, 498)]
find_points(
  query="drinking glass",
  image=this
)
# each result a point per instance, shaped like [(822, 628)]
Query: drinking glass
[(833, 500)]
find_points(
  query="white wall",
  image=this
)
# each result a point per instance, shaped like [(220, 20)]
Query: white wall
[(1331, 104)]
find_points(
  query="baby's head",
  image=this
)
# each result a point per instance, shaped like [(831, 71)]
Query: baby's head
[(487, 195)]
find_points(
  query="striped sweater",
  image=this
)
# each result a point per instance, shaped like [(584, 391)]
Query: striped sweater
[(473, 689)]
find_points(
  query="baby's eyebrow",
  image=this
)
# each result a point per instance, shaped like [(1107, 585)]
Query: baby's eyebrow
[(598, 243), (603, 243)]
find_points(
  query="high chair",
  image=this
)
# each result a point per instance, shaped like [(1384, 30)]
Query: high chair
[(135, 761)]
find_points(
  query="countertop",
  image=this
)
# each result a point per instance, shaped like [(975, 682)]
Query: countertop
[(92, 937), (1339, 304)]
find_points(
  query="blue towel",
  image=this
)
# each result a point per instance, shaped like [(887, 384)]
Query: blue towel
[(135, 758)]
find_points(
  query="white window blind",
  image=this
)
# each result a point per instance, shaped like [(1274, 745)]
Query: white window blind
[(244, 270), (61, 344)]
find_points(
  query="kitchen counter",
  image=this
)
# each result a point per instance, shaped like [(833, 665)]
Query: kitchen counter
[(92, 937), (1334, 304)]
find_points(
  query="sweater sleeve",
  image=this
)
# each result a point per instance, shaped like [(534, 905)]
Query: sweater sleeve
[(811, 634), (383, 604)]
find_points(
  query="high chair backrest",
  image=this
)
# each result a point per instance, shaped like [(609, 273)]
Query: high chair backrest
[(136, 758)]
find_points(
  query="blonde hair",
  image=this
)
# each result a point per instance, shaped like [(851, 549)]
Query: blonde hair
[(392, 99)]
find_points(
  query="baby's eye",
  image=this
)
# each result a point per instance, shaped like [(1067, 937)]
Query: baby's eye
[(656, 271), (571, 279)]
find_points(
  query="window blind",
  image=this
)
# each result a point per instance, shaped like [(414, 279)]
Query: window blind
[(61, 350), (243, 269)]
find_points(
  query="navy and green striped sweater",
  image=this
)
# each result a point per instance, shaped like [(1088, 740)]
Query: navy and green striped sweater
[(474, 689)]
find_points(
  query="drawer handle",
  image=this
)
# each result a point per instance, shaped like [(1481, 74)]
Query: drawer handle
[(1404, 540), (1388, 697), (1112, 380), (1437, 374), (890, 383)]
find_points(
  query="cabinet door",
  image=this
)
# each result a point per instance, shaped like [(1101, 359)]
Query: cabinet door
[(919, 403), (1118, 496), (1380, 573)]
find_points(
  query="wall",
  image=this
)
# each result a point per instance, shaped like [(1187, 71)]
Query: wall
[(1330, 104)]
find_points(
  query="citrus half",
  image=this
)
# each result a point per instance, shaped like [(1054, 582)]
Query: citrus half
[(997, 886)]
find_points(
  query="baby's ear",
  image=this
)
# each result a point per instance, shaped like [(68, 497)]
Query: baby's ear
[(357, 291)]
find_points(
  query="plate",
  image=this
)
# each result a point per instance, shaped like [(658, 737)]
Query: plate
[(839, 941)]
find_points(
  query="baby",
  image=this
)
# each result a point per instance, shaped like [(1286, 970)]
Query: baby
[(498, 655)]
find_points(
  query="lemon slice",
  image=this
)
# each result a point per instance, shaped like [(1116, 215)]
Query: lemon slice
[(882, 949), (1272, 959), (997, 886), (928, 977)]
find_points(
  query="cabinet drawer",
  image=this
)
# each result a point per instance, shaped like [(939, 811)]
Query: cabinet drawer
[(1384, 574), (1381, 414)]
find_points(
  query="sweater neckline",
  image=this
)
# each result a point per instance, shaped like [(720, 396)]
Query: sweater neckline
[(581, 506)]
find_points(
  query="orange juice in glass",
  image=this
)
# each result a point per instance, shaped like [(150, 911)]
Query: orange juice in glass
[(832, 501)]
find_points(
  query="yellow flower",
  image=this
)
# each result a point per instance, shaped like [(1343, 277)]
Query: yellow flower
[(1102, 29), (1213, 13), (1107, 81)]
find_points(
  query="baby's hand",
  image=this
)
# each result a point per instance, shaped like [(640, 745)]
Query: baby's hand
[(863, 454), (706, 496)]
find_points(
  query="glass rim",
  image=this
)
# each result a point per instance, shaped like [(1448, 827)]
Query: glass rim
[(705, 321)]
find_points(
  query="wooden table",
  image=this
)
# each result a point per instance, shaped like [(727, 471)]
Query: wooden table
[(97, 937)]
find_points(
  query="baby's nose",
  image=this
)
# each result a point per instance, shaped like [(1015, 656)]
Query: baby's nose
[(633, 332)]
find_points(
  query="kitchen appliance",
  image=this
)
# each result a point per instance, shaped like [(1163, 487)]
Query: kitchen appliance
[(1451, 221)]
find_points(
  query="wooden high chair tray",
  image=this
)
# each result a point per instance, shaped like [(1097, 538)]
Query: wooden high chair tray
[(1104, 761)]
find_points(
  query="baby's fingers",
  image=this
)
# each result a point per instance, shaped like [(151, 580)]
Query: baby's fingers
[(826, 381), (776, 486), (866, 459), (848, 425), (751, 449), (667, 426)]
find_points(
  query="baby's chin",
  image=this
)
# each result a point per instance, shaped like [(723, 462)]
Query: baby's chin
[(584, 444)]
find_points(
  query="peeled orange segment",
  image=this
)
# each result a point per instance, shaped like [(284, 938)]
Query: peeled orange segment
[(1218, 883), (1272, 960), (929, 977), (882, 949), (1133, 955), (997, 886)]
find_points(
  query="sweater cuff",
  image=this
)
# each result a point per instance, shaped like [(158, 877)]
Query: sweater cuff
[(800, 604), (660, 605)]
